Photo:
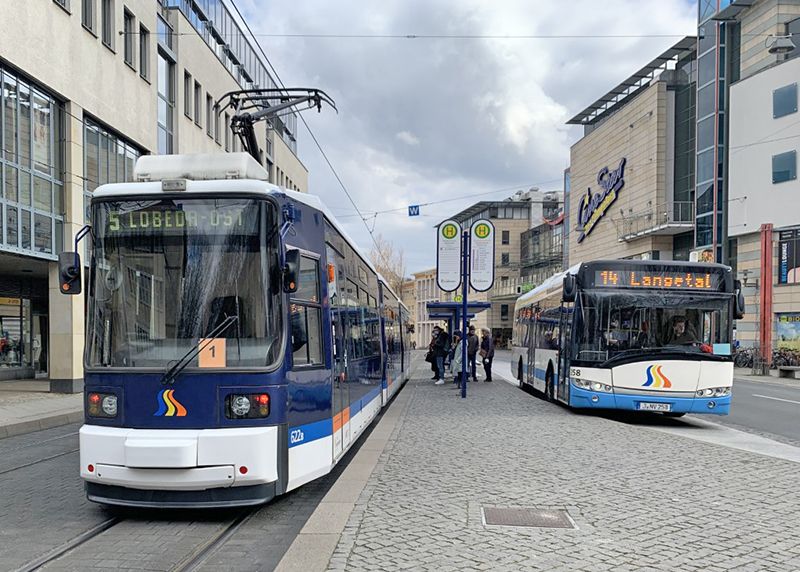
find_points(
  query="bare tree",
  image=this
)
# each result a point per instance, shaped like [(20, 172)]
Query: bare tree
[(390, 260)]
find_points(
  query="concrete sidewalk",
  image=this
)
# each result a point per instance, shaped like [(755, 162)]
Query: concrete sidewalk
[(27, 405), (640, 499)]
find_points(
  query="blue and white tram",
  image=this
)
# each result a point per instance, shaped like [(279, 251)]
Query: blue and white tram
[(237, 342)]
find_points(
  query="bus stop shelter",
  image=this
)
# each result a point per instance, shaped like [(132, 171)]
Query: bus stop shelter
[(451, 312)]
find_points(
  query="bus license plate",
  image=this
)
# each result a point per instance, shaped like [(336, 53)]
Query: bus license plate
[(655, 407)]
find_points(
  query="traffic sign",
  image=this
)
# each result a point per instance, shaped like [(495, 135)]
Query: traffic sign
[(481, 259), (448, 255), (413, 210)]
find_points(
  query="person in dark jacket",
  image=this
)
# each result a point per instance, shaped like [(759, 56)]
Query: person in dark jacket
[(473, 343), (487, 352), (441, 347)]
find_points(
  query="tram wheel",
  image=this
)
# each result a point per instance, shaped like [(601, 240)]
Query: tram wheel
[(519, 375), (548, 385)]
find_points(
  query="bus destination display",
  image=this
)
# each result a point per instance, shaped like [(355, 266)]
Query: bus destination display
[(173, 220), (665, 279)]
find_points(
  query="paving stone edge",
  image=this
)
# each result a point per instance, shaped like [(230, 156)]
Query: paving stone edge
[(46, 422)]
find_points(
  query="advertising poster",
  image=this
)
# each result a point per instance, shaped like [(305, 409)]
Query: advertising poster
[(788, 331), (788, 256)]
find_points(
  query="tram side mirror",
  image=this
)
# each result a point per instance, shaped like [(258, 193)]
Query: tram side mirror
[(69, 271), (291, 271), (738, 311), (570, 288)]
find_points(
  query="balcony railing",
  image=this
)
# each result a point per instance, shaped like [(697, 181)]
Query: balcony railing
[(663, 219)]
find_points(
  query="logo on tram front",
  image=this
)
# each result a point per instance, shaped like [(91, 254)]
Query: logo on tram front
[(656, 378), (168, 406)]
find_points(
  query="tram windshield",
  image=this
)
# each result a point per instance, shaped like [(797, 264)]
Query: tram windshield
[(167, 272), (608, 325)]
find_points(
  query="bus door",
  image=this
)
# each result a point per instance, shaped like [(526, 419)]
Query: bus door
[(530, 371), (564, 354), (340, 397)]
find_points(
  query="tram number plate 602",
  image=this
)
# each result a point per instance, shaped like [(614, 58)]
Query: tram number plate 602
[(296, 436)]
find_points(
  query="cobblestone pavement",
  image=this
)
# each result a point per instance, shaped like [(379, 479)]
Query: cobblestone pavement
[(641, 499)]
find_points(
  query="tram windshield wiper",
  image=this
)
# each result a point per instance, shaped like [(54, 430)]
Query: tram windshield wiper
[(173, 372)]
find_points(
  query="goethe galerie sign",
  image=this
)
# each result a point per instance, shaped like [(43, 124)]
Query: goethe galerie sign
[(594, 205)]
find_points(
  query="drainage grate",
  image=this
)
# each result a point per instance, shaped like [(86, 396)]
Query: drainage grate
[(527, 517)]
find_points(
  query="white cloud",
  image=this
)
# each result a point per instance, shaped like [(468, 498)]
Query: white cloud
[(426, 120), (408, 138)]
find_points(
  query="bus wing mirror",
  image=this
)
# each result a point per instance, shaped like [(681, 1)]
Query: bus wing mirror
[(739, 306), (69, 271), (291, 271), (570, 288)]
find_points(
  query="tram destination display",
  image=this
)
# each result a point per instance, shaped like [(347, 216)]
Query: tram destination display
[(667, 280)]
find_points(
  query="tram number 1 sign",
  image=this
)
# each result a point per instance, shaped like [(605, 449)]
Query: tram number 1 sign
[(481, 256), (448, 255)]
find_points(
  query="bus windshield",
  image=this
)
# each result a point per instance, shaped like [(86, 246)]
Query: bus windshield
[(610, 324), (166, 272)]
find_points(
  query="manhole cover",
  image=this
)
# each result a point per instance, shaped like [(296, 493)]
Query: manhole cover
[(527, 517)]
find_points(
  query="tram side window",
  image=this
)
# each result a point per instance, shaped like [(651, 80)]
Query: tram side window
[(306, 316)]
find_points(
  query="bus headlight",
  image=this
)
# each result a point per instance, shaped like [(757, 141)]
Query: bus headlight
[(251, 406), (103, 405), (591, 385), (714, 392)]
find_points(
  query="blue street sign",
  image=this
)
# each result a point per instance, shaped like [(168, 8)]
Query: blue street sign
[(413, 210)]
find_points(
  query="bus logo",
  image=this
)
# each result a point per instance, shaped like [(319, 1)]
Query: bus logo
[(168, 406), (656, 378)]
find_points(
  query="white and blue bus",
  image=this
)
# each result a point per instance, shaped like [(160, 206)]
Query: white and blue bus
[(237, 341), (630, 334)]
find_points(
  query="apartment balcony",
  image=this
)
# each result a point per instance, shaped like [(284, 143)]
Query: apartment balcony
[(662, 220)]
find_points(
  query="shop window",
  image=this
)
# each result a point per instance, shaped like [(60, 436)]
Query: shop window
[(784, 101), (784, 167)]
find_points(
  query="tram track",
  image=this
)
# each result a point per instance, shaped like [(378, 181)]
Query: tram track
[(42, 460), (59, 551), (200, 555)]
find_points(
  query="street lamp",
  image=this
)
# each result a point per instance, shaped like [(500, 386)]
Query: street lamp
[(780, 44)]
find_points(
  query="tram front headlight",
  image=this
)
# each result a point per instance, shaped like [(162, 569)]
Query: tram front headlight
[(109, 405), (249, 406), (240, 405)]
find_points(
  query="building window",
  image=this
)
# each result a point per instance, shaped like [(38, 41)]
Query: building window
[(506, 237), (504, 312), (107, 158), (784, 101), (209, 115), (793, 30), (63, 3), (88, 15), (166, 103), (107, 22), (216, 128), (504, 259), (227, 128), (784, 167), (198, 102), (31, 167), (144, 52), (130, 33), (187, 94)]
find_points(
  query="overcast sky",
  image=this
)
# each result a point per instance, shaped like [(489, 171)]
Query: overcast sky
[(424, 120)]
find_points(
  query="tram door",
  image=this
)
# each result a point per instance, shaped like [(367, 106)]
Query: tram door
[(340, 397), (530, 372)]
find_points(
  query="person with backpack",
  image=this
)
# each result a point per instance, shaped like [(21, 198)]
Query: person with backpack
[(487, 352), (441, 347)]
